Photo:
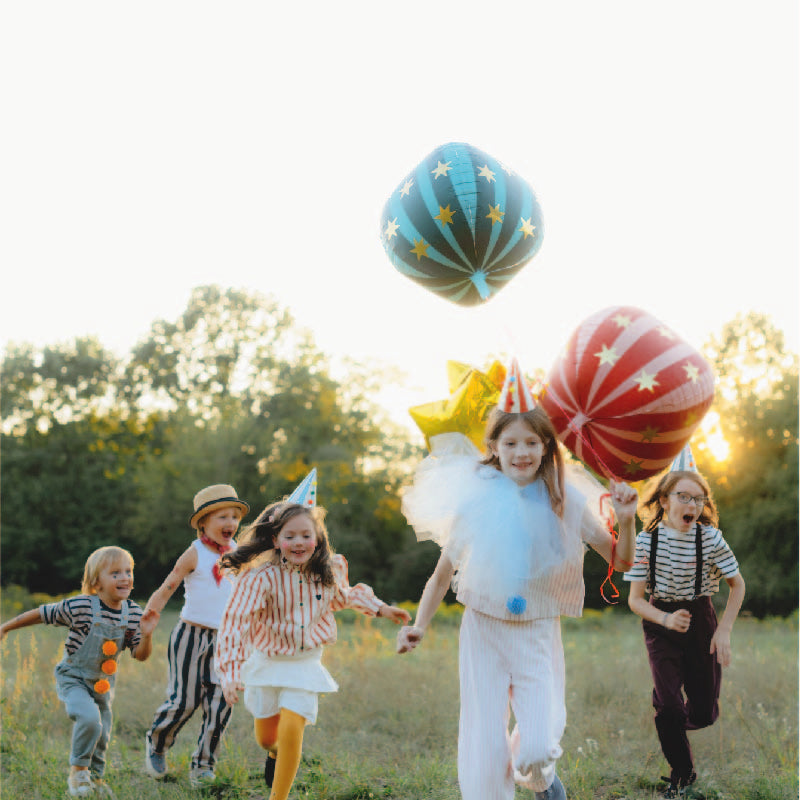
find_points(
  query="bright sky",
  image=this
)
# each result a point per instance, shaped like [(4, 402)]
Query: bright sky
[(149, 148)]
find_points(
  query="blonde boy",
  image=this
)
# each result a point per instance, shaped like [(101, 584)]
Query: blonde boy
[(102, 622)]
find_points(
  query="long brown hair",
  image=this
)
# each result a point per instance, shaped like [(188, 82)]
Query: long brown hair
[(664, 486), (551, 469), (259, 540)]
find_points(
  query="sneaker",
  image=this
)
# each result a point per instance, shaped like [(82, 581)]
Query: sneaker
[(155, 764), (79, 783), (677, 788), (101, 788), (200, 776), (269, 770)]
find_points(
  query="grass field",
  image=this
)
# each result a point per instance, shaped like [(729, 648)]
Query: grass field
[(390, 731)]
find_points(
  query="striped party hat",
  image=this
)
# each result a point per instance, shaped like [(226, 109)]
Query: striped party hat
[(515, 396), (684, 461), (306, 492)]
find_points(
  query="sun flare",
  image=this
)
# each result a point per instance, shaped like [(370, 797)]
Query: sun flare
[(713, 440)]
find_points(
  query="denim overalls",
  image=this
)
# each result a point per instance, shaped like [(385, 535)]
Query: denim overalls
[(76, 676)]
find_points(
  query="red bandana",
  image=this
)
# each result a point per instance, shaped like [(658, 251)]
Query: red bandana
[(221, 549)]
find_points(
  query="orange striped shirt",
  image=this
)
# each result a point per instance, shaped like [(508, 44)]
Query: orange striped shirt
[(281, 611)]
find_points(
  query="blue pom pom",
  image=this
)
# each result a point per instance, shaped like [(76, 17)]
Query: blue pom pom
[(516, 604)]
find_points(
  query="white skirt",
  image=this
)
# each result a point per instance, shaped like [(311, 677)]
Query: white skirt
[(288, 672)]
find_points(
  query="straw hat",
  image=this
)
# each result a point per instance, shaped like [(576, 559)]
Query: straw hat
[(220, 495)]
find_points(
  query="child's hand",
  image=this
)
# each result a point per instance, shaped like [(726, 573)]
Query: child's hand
[(408, 638), (231, 692), (397, 615), (625, 500), (679, 621), (721, 645), (149, 621)]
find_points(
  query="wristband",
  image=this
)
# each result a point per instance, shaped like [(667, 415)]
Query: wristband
[(664, 621)]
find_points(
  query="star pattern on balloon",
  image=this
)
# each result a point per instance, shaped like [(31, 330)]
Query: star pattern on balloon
[(391, 228), (441, 170), (633, 467), (406, 188), (622, 320), (419, 249), (646, 381), (526, 228), (485, 172), (445, 215), (649, 433), (692, 372), (607, 355), (495, 214)]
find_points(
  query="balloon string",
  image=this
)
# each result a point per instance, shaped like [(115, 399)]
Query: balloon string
[(606, 514), (577, 432)]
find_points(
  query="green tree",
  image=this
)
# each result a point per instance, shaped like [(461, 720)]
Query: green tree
[(756, 487)]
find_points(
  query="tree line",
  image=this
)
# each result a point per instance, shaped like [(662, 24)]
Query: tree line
[(98, 449)]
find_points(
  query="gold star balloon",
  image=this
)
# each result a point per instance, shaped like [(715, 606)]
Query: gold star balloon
[(473, 394)]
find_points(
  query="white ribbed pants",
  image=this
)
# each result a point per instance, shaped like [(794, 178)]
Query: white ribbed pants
[(509, 666)]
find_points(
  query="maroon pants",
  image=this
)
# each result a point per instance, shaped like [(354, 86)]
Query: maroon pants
[(682, 665)]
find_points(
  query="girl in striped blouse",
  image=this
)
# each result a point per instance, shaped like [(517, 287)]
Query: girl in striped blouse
[(276, 623), (680, 558)]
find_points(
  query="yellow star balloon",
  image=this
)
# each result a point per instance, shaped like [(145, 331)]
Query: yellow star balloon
[(473, 394)]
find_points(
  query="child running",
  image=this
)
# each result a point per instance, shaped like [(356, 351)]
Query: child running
[(277, 621), (192, 682), (102, 622), (512, 529), (680, 558)]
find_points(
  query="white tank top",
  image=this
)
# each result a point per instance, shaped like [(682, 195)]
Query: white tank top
[(204, 600)]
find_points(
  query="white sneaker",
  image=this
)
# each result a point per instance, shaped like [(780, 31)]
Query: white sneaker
[(79, 783), (200, 776)]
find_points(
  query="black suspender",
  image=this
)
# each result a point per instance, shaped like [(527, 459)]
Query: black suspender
[(653, 550), (698, 545)]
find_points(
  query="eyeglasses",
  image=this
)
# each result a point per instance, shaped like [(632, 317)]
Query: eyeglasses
[(686, 498)]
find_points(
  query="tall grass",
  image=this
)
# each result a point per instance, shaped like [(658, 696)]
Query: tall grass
[(390, 731)]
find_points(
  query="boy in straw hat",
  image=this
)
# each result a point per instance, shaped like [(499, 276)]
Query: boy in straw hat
[(192, 680)]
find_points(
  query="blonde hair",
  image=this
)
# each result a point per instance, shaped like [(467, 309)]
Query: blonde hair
[(97, 562), (551, 468)]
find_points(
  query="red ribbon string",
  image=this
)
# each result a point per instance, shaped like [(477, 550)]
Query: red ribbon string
[(605, 511), (221, 549)]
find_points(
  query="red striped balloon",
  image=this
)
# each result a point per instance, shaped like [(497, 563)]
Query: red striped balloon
[(627, 393)]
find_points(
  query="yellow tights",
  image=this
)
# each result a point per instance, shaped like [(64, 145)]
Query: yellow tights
[(282, 735)]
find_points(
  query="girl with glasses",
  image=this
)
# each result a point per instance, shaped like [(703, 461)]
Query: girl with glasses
[(681, 556)]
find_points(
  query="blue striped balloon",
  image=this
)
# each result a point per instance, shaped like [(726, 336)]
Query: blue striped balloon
[(461, 224)]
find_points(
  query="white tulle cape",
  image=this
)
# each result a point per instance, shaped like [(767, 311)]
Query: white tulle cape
[(503, 539)]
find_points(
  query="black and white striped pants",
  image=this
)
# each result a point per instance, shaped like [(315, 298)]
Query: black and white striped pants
[(190, 654)]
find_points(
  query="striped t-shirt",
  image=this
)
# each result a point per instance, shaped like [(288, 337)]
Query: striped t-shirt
[(676, 562), (75, 613)]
